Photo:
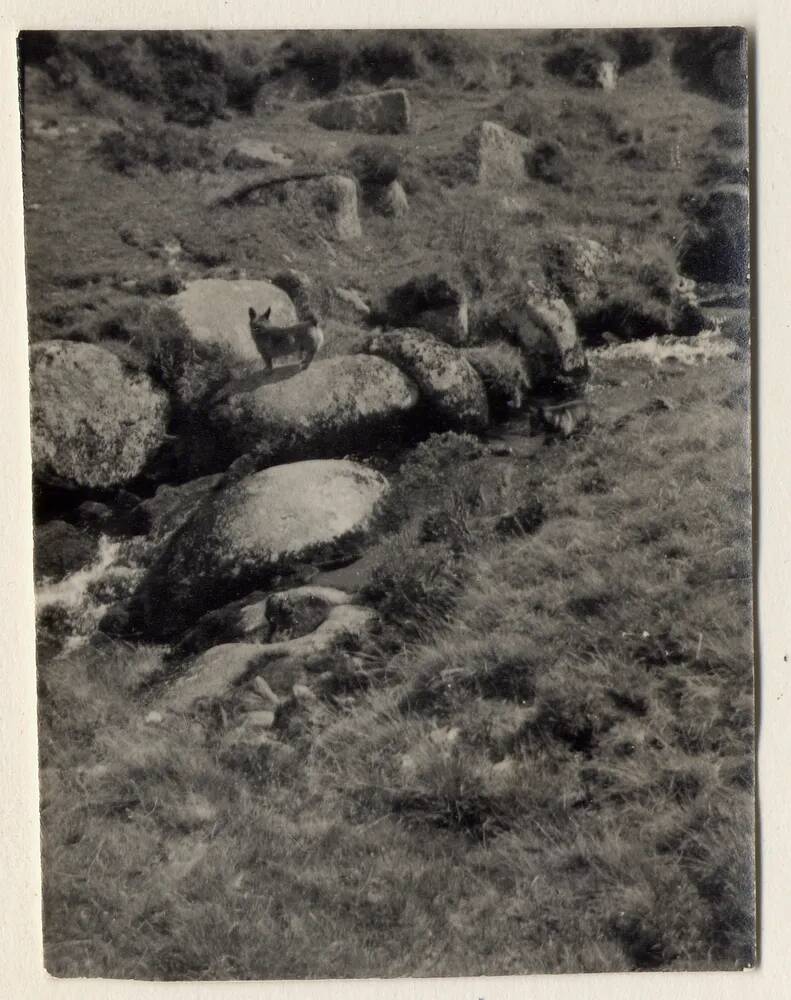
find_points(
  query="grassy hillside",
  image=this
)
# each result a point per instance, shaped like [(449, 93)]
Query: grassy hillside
[(542, 760)]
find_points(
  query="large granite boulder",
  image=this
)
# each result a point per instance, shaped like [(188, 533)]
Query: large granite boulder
[(330, 408), (215, 311), (449, 385), (254, 533), (386, 111), (95, 424)]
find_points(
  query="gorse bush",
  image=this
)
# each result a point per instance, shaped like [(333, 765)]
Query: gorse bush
[(375, 163), (155, 339), (166, 148), (185, 73)]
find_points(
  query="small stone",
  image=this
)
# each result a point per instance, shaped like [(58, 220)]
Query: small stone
[(260, 720), (265, 691), (154, 718)]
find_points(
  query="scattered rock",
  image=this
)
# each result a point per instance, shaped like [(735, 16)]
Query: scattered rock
[(391, 201), (215, 311), (350, 304), (261, 719), (60, 550), (607, 75), (254, 532), (329, 199), (216, 673), (264, 691), (95, 424), (256, 153), (431, 302), (576, 267), (212, 676), (262, 618), (498, 154), (447, 381), (583, 66), (545, 330), (330, 408), (385, 111)]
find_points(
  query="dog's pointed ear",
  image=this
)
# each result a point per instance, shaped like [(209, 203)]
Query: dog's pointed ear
[(251, 313), (268, 313)]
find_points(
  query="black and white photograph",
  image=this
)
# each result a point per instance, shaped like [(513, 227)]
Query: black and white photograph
[(390, 422)]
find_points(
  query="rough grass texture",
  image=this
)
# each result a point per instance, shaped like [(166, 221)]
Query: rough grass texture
[(543, 760), (551, 769)]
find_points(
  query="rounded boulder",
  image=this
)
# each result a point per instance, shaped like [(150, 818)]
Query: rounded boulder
[(95, 424), (255, 532), (216, 311), (329, 408), (448, 383)]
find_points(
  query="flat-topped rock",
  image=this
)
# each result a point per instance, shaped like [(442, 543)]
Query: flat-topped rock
[(385, 111)]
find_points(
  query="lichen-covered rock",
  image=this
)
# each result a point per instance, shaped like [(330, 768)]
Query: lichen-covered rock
[(386, 111), (253, 533), (547, 333), (576, 266), (215, 311), (498, 154), (95, 424), (448, 383), (329, 408)]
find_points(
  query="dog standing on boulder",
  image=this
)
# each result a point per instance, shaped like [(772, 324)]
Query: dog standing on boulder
[(272, 341)]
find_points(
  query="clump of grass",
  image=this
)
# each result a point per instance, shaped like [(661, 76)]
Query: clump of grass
[(155, 339), (429, 474), (166, 148)]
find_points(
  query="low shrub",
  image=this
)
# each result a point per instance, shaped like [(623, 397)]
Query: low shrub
[(414, 586), (375, 163), (166, 148), (549, 162), (155, 339), (713, 61), (633, 48)]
